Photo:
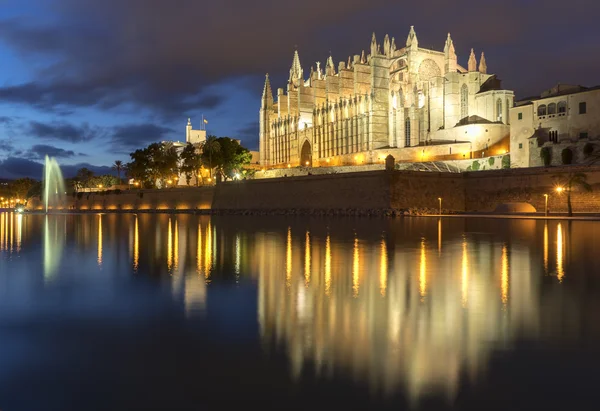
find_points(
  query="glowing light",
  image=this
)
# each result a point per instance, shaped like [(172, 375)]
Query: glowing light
[(208, 252), (423, 271), (328, 160), (504, 275), (289, 165), (355, 269), (307, 259), (327, 265), (136, 245), (560, 189), (383, 268), (465, 274), (237, 176), (307, 163), (100, 240), (546, 248), (560, 271), (288, 258)]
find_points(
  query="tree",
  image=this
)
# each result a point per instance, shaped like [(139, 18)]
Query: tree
[(85, 175), (229, 160), (118, 166), (191, 161), (19, 188), (566, 183), (210, 147), (156, 163)]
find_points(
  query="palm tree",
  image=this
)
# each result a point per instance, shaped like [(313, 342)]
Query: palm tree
[(566, 183), (211, 146), (118, 166)]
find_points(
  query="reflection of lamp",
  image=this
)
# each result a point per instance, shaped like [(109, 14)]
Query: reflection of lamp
[(546, 208), (440, 199)]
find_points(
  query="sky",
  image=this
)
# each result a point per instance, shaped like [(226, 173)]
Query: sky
[(89, 81)]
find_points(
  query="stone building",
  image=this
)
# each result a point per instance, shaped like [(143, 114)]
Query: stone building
[(390, 98), (565, 116)]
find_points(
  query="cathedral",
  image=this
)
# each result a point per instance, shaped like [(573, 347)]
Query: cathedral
[(391, 100)]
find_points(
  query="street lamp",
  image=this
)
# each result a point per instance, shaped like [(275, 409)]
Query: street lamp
[(546, 208), (440, 199), (559, 190)]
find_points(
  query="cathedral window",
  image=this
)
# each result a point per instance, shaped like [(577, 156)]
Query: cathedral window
[(464, 101), (542, 110), (552, 108), (562, 107), (499, 110), (407, 133)]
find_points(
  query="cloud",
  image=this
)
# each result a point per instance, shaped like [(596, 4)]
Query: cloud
[(6, 146), (249, 135), (133, 136), (6, 120), (40, 151), (62, 131), (17, 167)]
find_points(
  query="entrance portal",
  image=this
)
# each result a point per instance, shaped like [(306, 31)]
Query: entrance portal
[(306, 155)]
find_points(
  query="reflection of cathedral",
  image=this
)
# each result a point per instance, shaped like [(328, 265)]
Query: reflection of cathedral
[(390, 98), (411, 316)]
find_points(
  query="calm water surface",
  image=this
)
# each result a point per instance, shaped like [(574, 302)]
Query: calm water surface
[(185, 312)]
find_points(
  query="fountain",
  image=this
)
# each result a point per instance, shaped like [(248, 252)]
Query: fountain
[(54, 185)]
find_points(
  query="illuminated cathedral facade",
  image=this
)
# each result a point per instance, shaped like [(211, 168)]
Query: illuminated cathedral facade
[(391, 100)]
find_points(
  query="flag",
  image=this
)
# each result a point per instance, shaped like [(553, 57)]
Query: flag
[(205, 121)]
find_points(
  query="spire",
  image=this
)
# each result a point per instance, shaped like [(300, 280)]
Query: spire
[(349, 66), (330, 67), (373, 45), (319, 72), (450, 55), (482, 64), (472, 61), (412, 38), (386, 45), (362, 57), (267, 96), (296, 70), (189, 124), (393, 46)]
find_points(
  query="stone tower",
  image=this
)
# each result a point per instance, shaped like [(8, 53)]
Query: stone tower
[(266, 108)]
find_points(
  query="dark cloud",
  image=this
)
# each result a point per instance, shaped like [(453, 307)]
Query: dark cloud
[(16, 167), (249, 135), (40, 151), (133, 136), (6, 146), (62, 131), (6, 120)]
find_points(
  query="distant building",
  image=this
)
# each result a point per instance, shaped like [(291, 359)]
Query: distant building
[(563, 117), (194, 136), (389, 99)]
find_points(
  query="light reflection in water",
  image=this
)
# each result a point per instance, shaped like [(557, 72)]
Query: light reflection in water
[(199, 251), (169, 248), (100, 240), (328, 265), (176, 247), (423, 271), (19, 231), (383, 269), (307, 259), (355, 269), (504, 275), (560, 271), (465, 274), (238, 254), (439, 236), (136, 245), (546, 247), (288, 257), (2, 231), (208, 251), (54, 238)]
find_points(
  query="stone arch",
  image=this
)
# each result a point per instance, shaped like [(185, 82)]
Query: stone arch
[(306, 154), (429, 69)]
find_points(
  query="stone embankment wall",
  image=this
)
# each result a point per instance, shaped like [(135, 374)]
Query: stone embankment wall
[(361, 192)]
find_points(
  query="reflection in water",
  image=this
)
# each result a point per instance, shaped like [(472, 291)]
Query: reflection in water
[(355, 268), (169, 247), (439, 236), (307, 259), (208, 247), (54, 238), (383, 270), (423, 271), (465, 274), (100, 240), (546, 247), (504, 275), (19, 231), (199, 250), (136, 245), (328, 265), (560, 272), (238, 254), (288, 257)]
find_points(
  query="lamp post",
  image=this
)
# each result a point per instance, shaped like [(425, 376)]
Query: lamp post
[(440, 199), (546, 207)]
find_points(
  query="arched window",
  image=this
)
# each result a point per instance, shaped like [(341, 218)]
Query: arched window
[(562, 107), (542, 110), (407, 133), (552, 108), (464, 101), (499, 110)]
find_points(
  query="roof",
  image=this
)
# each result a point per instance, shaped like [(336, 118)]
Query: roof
[(475, 120), (556, 91)]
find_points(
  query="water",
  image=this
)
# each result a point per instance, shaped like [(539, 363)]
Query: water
[(54, 185), (185, 312)]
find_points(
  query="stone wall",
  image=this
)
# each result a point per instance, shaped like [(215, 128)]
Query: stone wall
[(376, 190), (535, 160)]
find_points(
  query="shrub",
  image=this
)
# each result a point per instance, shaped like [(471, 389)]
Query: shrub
[(491, 161), (141, 195), (546, 155), (588, 149), (476, 165), (567, 156), (506, 161)]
